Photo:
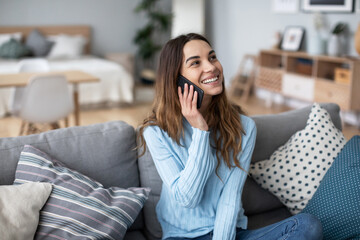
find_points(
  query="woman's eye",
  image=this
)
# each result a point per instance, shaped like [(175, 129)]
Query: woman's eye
[(194, 63), (213, 57)]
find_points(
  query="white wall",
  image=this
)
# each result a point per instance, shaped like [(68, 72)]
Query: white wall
[(188, 16), (238, 27)]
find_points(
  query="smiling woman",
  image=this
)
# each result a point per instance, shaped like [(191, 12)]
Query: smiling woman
[(203, 154)]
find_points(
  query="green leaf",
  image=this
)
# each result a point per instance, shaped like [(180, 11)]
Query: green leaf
[(339, 28), (147, 49), (163, 19), (144, 34), (144, 5)]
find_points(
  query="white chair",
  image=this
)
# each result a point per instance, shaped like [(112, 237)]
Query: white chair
[(46, 99), (26, 65)]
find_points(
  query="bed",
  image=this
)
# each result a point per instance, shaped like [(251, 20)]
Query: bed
[(116, 83)]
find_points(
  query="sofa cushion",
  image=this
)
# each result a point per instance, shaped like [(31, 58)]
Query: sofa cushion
[(295, 170), (103, 152), (149, 177), (134, 235), (271, 134), (78, 206), (20, 207), (263, 219), (336, 202)]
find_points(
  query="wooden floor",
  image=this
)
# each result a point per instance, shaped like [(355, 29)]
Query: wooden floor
[(134, 114)]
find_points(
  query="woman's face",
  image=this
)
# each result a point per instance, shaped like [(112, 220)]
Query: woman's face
[(202, 68)]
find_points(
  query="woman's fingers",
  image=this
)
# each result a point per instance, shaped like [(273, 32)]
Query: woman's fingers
[(188, 99), (194, 100), (190, 96), (180, 94), (186, 91)]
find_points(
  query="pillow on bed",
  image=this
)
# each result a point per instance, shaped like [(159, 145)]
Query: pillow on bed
[(38, 44), (14, 49), (67, 46), (7, 36)]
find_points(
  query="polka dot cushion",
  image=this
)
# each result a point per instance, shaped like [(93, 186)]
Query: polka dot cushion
[(337, 201), (294, 171)]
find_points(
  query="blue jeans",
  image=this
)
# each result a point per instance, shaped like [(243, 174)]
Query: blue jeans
[(302, 226)]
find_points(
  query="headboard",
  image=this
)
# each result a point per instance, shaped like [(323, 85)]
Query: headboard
[(82, 30)]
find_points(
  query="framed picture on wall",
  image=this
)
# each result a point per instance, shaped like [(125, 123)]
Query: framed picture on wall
[(292, 38), (328, 5), (285, 6)]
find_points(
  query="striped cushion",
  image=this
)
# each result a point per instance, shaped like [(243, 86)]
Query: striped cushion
[(78, 207)]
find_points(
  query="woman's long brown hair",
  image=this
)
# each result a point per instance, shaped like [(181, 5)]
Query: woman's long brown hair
[(223, 118)]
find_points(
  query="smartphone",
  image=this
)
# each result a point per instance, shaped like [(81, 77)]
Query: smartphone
[(181, 82)]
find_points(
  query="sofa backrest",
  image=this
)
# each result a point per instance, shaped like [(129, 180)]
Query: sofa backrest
[(104, 152), (272, 131)]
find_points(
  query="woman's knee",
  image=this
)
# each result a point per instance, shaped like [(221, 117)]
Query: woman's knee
[(312, 226)]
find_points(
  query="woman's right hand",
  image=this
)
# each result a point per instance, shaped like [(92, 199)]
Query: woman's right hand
[(189, 110)]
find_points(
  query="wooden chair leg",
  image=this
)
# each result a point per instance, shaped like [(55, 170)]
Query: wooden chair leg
[(66, 121), (54, 125), (30, 129), (22, 127)]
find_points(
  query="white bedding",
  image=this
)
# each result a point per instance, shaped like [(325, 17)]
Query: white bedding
[(116, 84)]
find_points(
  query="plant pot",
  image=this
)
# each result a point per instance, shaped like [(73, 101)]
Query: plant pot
[(147, 76), (334, 45)]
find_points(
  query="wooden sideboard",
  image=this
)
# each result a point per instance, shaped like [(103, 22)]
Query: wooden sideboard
[(311, 78)]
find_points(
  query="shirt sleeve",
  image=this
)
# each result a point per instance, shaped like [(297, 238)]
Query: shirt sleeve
[(186, 182), (230, 199)]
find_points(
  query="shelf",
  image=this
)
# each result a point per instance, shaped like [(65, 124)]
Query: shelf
[(311, 78), (271, 60), (300, 65)]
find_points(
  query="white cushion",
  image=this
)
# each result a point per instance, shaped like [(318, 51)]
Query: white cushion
[(294, 171), (66, 46), (19, 209), (7, 36)]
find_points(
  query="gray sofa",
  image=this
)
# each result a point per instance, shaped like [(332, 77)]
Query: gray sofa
[(105, 152)]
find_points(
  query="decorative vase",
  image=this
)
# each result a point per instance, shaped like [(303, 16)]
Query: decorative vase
[(334, 45), (357, 39), (317, 45)]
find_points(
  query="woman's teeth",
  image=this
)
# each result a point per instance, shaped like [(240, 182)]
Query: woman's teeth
[(210, 80)]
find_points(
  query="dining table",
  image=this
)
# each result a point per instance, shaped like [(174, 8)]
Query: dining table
[(73, 77)]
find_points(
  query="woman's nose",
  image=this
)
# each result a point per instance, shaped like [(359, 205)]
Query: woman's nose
[(209, 66)]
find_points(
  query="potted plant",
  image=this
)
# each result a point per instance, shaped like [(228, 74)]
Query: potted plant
[(148, 38), (334, 44)]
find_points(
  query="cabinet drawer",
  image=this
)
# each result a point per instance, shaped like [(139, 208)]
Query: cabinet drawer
[(326, 91), (298, 86)]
